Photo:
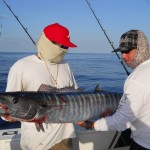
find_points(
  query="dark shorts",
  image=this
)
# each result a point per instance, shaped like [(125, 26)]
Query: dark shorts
[(135, 146), (63, 145)]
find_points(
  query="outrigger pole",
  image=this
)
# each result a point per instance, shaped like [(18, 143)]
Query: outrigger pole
[(107, 37), (19, 22)]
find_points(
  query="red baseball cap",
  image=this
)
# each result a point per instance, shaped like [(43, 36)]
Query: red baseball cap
[(58, 33)]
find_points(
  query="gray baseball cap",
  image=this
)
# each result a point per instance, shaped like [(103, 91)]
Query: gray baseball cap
[(128, 41)]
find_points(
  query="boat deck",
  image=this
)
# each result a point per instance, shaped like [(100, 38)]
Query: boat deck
[(89, 140)]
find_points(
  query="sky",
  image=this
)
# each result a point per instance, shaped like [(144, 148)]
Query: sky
[(115, 16)]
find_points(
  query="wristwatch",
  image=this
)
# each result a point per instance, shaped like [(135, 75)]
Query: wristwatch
[(89, 125)]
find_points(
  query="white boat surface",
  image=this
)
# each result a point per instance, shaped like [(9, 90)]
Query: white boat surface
[(86, 139)]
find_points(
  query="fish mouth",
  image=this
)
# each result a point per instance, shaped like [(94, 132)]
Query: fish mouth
[(3, 109)]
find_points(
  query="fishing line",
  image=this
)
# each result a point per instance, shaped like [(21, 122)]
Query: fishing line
[(120, 59), (107, 37), (25, 29)]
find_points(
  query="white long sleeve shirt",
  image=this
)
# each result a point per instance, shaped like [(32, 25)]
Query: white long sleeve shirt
[(28, 74), (134, 108)]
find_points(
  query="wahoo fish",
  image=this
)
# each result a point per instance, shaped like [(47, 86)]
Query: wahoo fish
[(43, 107)]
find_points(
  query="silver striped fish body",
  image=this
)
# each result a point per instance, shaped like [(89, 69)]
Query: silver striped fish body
[(82, 106), (58, 108)]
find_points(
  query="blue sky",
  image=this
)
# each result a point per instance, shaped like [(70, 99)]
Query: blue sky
[(116, 17)]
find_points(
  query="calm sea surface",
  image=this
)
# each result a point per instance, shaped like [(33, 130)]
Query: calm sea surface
[(89, 70)]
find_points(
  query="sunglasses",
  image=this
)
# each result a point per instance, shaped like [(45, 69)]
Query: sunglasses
[(61, 46), (125, 52), (128, 51)]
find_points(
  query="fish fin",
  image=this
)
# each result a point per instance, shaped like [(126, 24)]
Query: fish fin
[(38, 123), (47, 88), (97, 89), (39, 127)]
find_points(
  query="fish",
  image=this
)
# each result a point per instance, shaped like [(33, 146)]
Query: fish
[(44, 107)]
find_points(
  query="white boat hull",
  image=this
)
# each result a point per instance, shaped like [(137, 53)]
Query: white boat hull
[(89, 140), (10, 139)]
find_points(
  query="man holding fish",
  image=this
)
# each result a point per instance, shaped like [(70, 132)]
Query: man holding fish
[(134, 108), (41, 72)]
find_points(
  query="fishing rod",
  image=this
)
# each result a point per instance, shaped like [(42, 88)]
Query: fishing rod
[(25, 29), (107, 37)]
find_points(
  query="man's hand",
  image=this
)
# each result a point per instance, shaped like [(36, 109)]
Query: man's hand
[(81, 123), (86, 124), (106, 113)]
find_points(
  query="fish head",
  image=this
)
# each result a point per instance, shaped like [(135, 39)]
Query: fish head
[(18, 106)]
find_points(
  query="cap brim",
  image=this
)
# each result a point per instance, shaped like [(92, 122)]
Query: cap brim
[(116, 50), (122, 49), (69, 44)]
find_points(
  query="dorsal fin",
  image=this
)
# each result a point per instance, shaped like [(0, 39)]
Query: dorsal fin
[(97, 89)]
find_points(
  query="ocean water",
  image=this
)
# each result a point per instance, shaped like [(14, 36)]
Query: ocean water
[(92, 69), (89, 70)]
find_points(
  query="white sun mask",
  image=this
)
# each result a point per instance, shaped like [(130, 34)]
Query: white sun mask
[(48, 51)]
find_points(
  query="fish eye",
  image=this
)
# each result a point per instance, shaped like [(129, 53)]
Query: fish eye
[(43, 106), (15, 100)]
